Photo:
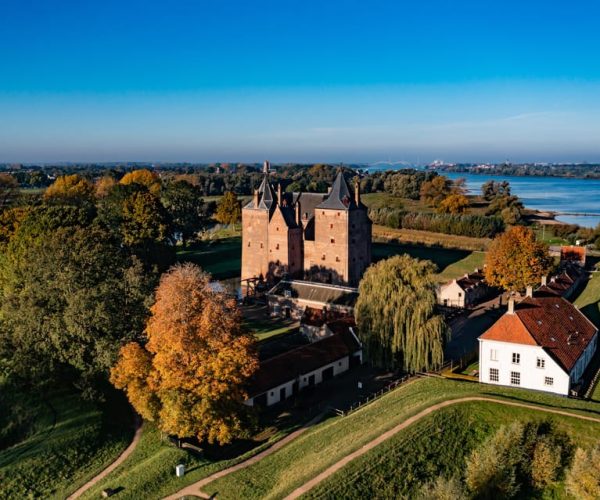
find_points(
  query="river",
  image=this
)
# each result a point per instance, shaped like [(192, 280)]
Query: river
[(557, 194)]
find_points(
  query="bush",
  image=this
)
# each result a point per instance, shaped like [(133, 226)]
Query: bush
[(475, 226), (583, 478)]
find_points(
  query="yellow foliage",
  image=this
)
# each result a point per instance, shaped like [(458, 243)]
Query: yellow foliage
[(104, 185), (143, 177), (70, 187)]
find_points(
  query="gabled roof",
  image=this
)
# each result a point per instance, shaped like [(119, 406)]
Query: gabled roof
[(292, 364), (340, 197), (316, 292), (552, 322)]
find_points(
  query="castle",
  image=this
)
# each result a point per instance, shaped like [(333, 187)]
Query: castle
[(312, 236)]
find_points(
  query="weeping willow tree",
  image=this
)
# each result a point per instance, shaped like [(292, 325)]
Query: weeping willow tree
[(396, 315)]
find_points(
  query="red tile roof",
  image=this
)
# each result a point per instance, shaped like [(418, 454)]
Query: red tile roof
[(550, 322), (290, 365)]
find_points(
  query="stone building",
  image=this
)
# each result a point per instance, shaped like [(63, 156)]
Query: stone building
[(315, 236)]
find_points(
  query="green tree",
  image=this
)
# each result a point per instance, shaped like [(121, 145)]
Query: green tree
[(516, 260), (68, 297), (184, 204), (434, 191), (443, 488), (229, 210), (9, 190), (397, 317)]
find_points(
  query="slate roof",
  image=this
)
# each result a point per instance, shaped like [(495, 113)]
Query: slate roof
[(551, 322), (471, 280), (292, 364), (560, 284), (317, 292), (340, 197), (266, 195)]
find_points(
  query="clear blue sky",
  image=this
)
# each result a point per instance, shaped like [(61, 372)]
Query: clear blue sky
[(299, 80)]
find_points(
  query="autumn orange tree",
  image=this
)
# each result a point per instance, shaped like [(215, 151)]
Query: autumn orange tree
[(516, 260), (454, 204), (143, 177), (190, 375), (70, 188)]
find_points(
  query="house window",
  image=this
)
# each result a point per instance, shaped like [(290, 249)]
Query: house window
[(516, 358), (460, 294), (515, 378), (548, 381), (494, 375), (493, 354), (332, 240), (541, 363)]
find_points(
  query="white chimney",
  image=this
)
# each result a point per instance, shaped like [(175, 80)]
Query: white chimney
[(529, 291), (544, 280), (511, 306)]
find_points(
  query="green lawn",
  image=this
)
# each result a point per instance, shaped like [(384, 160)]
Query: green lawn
[(222, 257), (149, 472), (62, 442), (437, 445), (386, 200), (589, 299), (270, 327), (461, 267), (451, 263), (291, 466)]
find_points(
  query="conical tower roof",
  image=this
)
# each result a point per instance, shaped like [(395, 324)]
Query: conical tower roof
[(340, 197), (267, 194)]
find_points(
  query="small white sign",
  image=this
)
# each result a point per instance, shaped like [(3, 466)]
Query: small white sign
[(360, 385), (180, 470)]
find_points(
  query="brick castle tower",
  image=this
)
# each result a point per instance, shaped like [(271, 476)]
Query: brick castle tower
[(314, 236)]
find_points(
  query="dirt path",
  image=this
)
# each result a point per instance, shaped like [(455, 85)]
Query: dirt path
[(194, 488), (386, 435), (121, 458)]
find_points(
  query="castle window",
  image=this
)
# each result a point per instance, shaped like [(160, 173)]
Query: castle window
[(277, 228), (248, 244), (338, 214), (323, 257), (337, 259), (322, 212), (277, 246), (332, 240), (261, 245), (330, 226)]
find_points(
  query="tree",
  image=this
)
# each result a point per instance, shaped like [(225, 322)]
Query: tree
[(396, 315), (144, 219), (545, 464), (187, 210), (434, 191), (143, 177), (442, 488), (494, 189), (104, 186), (70, 189), (9, 189), (454, 204), (190, 375), (515, 260), (68, 297), (583, 478), (491, 470), (228, 209)]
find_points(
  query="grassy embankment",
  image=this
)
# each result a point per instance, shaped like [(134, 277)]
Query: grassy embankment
[(56, 443), (291, 466), (150, 470)]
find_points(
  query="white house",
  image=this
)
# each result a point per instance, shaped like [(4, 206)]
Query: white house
[(542, 343), (284, 375), (463, 292)]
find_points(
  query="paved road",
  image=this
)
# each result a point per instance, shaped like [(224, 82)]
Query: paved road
[(122, 457), (386, 435)]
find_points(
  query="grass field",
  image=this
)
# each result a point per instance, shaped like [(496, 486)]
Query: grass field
[(63, 442), (386, 200), (437, 445), (451, 263), (220, 257), (427, 238), (589, 299), (291, 466), (149, 472)]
